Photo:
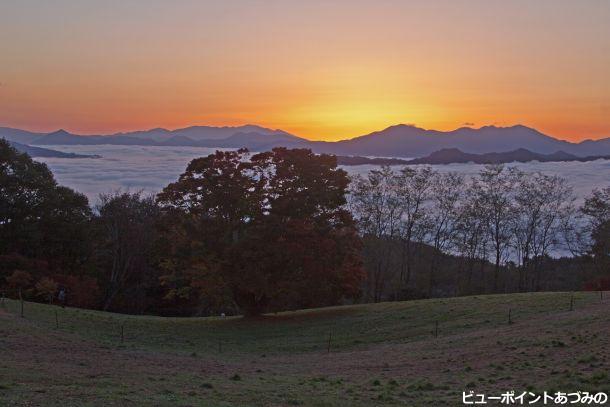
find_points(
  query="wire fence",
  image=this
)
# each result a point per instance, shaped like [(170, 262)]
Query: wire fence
[(256, 335)]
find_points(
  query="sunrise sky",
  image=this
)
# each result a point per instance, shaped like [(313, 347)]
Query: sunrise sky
[(319, 69)]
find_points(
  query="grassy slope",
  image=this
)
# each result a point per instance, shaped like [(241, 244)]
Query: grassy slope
[(380, 354)]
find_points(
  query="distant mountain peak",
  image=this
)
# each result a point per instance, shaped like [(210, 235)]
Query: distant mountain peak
[(520, 150), (448, 150), (60, 132), (512, 127), (404, 126)]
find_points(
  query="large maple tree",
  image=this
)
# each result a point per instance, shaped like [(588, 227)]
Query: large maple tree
[(270, 229)]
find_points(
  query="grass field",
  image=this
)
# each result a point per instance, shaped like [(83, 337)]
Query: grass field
[(403, 353)]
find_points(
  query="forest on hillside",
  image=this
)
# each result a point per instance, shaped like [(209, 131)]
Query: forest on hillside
[(287, 229)]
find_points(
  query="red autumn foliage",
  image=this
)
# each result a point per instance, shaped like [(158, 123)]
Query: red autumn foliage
[(81, 291), (269, 229), (602, 283)]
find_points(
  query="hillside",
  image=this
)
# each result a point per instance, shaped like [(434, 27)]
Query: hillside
[(46, 152), (379, 354), (454, 155)]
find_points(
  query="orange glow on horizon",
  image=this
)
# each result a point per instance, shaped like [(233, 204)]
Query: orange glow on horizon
[(319, 70)]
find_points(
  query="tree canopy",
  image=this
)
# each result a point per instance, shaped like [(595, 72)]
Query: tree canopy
[(38, 218), (270, 230)]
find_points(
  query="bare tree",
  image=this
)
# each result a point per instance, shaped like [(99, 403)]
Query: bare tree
[(597, 206), (413, 187), (494, 189), (515, 220), (446, 196), (375, 207), (542, 202), (574, 232), (596, 211), (470, 238)]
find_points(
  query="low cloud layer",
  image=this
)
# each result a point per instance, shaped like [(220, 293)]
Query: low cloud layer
[(152, 168)]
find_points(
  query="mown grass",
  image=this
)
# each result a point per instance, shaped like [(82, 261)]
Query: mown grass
[(303, 331), (381, 354)]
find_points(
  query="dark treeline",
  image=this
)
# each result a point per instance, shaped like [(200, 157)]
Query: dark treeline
[(287, 229), (236, 233), (430, 234)]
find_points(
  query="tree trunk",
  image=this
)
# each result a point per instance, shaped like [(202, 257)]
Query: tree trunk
[(483, 276), (432, 283), (109, 298), (496, 271), (408, 279), (470, 272), (21, 301), (250, 304), (403, 254)]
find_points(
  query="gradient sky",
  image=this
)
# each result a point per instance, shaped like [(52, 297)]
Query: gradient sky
[(319, 69)]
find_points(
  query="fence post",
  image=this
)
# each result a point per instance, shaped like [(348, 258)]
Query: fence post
[(56, 320), (572, 302), (122, 334), (436, 328), (330, 335), (601, 295), (21, 301), (510, 320)]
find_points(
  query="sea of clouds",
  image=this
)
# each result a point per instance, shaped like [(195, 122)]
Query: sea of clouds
[(149, 169)]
